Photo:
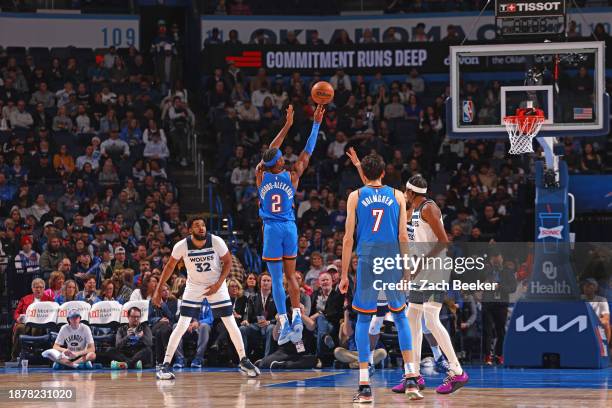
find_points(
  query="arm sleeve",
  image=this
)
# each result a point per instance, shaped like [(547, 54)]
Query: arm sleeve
[(219, 246), (312, 139)]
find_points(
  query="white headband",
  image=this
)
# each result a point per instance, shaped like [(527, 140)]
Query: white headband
[(416, 189)]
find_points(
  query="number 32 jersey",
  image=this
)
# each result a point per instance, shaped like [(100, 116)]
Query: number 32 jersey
[(276, 194), (203, 264)]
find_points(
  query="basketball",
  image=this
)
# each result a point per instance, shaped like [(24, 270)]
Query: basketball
[(322, 93)]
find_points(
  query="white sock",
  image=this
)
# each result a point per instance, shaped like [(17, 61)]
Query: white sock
[(176, 336), (296, 312), (364, 376), (371, 357), (282, 319), (409, 369), (437, 353), (234, 333), (432, 320)]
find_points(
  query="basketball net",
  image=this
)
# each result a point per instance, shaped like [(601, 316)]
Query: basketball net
[(523, 127)]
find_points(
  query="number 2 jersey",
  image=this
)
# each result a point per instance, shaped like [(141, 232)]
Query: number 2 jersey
[(203, 264), (276, 194)]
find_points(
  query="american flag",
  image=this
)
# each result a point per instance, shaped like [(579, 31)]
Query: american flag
[(583, 113)]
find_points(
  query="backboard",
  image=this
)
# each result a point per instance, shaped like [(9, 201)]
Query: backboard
[(565, 80)]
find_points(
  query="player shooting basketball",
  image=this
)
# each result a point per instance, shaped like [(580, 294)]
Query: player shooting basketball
[(277, 188)]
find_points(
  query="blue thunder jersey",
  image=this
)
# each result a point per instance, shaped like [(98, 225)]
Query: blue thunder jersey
[(377, 216), (276, 194)]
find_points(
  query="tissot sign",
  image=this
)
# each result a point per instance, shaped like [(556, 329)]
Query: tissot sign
[(509, 8)]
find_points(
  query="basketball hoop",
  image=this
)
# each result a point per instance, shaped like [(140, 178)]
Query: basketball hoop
[(523, 127)]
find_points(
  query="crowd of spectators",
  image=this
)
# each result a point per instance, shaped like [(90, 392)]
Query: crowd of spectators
[(485, 195), (88, 206), (89, 212)]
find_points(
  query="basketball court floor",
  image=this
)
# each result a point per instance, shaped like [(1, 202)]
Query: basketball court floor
[(488, 387)]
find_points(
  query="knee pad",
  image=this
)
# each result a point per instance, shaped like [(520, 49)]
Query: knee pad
[(375, 325)]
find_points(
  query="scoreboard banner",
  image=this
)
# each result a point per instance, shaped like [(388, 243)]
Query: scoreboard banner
[(427, 58), (514, 8), (354, 59), (275, 28), (64, 30)]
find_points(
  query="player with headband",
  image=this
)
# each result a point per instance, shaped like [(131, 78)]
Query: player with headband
[(276, 187), (429, 239)]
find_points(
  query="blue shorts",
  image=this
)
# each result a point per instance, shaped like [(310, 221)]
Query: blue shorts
[(280, 240), (366, 295)]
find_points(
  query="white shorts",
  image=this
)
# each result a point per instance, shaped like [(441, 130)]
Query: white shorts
[(220, 302)]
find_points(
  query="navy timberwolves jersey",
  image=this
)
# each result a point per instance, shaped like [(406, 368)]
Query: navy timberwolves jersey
[(378, 215), (276, 194)]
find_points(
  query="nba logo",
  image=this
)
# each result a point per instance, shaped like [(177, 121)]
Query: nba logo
[(468, 111)]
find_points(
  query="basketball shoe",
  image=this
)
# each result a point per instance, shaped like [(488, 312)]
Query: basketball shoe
[(364, 395), (118, 365), (296, 329), (285, 335), (165, 372), (248, 368), (401, 387), (452, 383), (86, 365), (409, 386), (179, 362)]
